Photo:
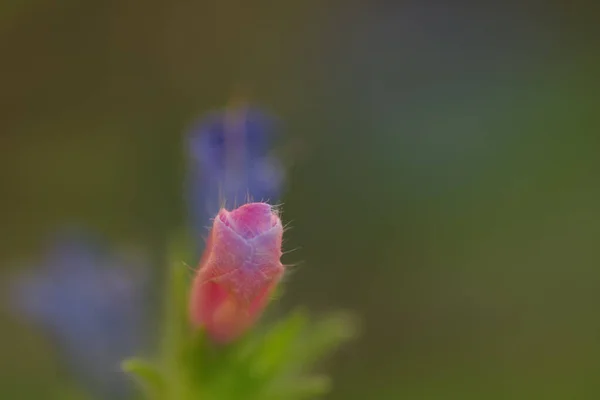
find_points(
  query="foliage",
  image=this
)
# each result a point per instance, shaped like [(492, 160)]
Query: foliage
[(270, 362)]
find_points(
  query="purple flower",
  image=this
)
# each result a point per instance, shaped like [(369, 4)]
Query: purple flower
[(231, 162), (91, 302)]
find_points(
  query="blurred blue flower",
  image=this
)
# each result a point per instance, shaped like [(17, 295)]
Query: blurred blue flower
[(232, 162), (91, 302)]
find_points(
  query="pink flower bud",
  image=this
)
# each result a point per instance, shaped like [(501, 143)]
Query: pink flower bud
[(238, 271)]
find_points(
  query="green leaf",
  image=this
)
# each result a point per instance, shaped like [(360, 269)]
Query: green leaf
[(324, 336), (283, 353), (268, 363), (175, 320), (176, 329), (148, 375), (278, 292), (278, 343)]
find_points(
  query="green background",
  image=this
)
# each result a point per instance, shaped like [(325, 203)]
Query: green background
[(443, 176)]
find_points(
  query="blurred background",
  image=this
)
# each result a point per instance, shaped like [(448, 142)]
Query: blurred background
[(442, 181)]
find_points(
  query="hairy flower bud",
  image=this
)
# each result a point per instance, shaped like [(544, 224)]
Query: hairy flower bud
[(238, 271)]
